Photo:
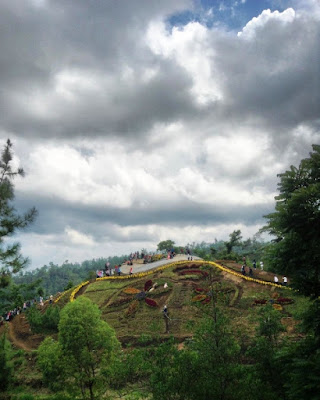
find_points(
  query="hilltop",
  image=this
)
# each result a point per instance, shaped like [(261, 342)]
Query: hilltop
[(133, 305)]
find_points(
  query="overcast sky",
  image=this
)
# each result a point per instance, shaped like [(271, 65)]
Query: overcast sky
[(143, 120)]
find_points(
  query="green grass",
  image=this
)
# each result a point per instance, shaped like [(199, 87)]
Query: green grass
[(237, 303)]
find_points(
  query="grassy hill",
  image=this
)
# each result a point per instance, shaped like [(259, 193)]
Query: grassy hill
[(191, 287)]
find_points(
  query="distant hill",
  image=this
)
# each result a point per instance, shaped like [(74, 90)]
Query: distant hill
[(55, 278)]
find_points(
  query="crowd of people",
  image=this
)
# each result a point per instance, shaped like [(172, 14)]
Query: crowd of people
[(249, 270), (10, 314)]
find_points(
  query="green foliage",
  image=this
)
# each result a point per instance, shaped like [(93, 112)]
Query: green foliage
[(51, 364), (82, 359), (46, 322), (235, 240), (56, 278), (270, 325), (295, 225), (87, 344), (6, 369), (165, 245), (270, 369), (11, 261), (209, 368), (14, 295), (68, 286), (130, 367)]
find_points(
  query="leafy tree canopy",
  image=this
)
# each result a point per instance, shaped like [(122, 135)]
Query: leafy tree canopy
[(235, 240), (86, 348), (295, 225), (165, 245)]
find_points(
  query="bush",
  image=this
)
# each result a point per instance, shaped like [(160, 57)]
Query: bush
[(44, 323), (5, 365)]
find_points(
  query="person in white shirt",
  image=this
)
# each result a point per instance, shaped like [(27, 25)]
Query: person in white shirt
[(285, 281), (276, 280)]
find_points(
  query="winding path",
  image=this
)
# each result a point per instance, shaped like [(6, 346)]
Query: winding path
[(146, 267)]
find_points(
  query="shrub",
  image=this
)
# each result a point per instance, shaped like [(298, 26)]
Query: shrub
[(44, 323)]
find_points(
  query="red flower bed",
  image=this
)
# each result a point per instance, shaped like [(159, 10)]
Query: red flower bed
[(258, 302), (148, 285), (199, 290), (284, 300), (151, 302), (193, 271), (206, 300)]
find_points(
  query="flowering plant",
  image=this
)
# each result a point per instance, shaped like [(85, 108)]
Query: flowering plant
[(260, 302), (284, 300), (199, 297), (193, 271)]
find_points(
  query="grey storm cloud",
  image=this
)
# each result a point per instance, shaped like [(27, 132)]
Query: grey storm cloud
[(97, 38), (272, 79), (56, 214)]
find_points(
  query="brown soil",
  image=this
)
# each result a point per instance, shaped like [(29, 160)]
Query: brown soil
[(20, 335)]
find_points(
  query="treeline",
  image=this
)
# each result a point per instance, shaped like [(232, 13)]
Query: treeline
[(55, 278), (233, 249)]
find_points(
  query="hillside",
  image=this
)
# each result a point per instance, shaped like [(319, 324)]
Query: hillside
[(133, 308)]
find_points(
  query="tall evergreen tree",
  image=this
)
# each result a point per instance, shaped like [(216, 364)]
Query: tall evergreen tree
[(11, 260), (295, 225)]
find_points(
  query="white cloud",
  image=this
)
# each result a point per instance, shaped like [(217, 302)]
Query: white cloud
[(188, 46), (78, 238), (250, 30)]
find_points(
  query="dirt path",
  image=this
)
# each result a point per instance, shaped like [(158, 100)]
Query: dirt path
[(16, 342), (19, 334)]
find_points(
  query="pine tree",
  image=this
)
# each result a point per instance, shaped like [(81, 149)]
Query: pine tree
[(11, 260)]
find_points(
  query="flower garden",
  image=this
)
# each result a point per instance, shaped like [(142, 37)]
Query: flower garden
[(133, 304)]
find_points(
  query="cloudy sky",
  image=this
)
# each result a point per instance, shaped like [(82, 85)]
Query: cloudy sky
[(138, 121)]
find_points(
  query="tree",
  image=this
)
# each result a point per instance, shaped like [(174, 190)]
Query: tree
[(235, 240), (295, 225), (86, 347), (165, 245), (51, 363), (11, 261), (5, 366), (269, 367)]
